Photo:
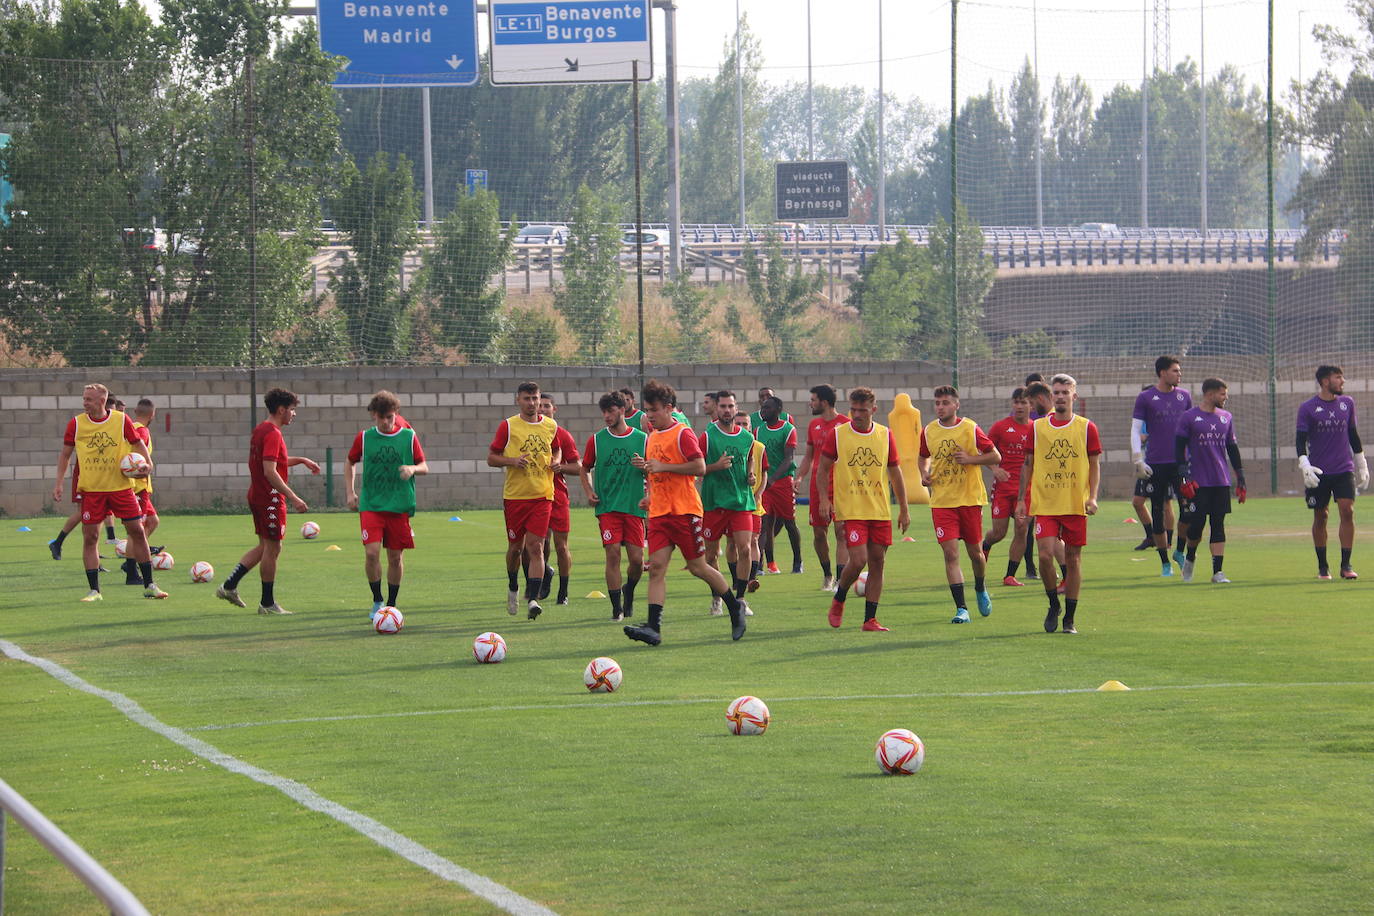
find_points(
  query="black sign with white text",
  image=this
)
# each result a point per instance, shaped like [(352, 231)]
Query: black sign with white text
[(812, 190)]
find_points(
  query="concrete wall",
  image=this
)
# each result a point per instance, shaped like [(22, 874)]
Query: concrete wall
[(201, 432)]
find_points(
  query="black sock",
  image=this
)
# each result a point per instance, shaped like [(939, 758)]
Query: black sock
[(532, 587), (1321, 559), (562, 588), (656, 617), (730, 601), (1054, 598), (839, 570), (957, 590), (740, 586), (870, 610), (615, 602), (61, 536), (1169, 537), (239, 572), (268, 599), (392, 590), (841, 593), (1345, 557), (755, 569), (627, 591), (1011, 567), (1216, 563), (1030, 561), (513, 580), (109, 532), (93, 579), (768, 555), (1163, 555), (980, 584), (376, 590), (146, 571), (825, 568), (986, 545), (1070, 606), (546, 583), (1192, 552), (1063, 572)]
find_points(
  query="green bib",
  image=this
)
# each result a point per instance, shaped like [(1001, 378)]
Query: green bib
[(383, 489), (728, 488), (774, 442), (619, 485)]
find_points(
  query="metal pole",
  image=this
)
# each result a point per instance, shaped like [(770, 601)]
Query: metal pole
[(329, 476), (429, 156), (882, 151), (639, 221), (739, 105), (251, 129), (1145, 118), (810, 100), (954, 189), (674, 161), (1202, 67), (1039, 126), (1269, 265)]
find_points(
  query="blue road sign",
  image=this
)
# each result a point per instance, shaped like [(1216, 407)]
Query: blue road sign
[(476, 178), (398, 43), (569, 41)]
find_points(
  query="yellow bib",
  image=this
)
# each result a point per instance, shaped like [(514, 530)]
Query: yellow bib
[(861, 473), (1059, 477), (99, 446), (534, 441), (144, 484), (756, 453), (953, 484)]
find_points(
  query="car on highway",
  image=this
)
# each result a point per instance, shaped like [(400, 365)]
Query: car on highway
[(541, 234), (656, 244), (1103, 230)]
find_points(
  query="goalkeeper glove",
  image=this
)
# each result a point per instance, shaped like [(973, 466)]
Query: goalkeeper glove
[(1311, 475), (1240, 486), (1142, 470), (1361, 472), (1188, 488)]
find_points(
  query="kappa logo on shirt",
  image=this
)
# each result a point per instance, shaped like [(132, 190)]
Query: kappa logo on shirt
[(100, 441), (863, 457)]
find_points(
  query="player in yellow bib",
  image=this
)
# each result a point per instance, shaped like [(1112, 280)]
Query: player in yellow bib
[(953, 449), (1059, 484)]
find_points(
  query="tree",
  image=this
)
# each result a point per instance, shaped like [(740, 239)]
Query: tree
[(975, 274), (592, 278), (782, 290), (888, 294), (689, 309), (463, 305), (530, 337), (377, 208)]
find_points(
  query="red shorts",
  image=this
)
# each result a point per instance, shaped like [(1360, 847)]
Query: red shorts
[(758, 524), (122, 504), (958, 523), (145, 503), (527, 516), (269, 518), (560, 516), (680, 531), (390, 529), (814, 508), (1071, 529), (780, 498), (719, 522), (858, 533), (1003, 503), (620, 528)]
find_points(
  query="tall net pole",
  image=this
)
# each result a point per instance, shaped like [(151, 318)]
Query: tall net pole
[(252, 245), (1273, 284), (639, 222), (954, 189)]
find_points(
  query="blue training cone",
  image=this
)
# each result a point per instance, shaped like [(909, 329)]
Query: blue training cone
[(455, 518), (25, 528)]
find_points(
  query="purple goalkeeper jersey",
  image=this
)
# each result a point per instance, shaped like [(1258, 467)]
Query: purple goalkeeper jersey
[(1327, 424), (1207, 434), (1160, 410)]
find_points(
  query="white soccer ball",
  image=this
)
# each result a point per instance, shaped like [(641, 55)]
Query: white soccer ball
[(861, 584), (900, 752), (163, 560), (310, 531), (489, 648), (202, 572), (602, 675), (122, 547), (388, 621), (133, 465), (747, 716)]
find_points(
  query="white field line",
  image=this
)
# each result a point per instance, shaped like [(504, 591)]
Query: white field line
[(376, 831), (624, 704)]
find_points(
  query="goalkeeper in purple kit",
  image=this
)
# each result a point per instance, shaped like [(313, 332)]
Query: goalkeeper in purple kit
[(1332, 463), (1204, 440)]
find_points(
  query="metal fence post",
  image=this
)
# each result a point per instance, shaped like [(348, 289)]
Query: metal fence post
[(329, 476)]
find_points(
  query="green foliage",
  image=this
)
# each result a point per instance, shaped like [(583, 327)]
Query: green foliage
[(592, 278), (1029, 346), (690, 312), (781, 290), (470, 249), (530, 337), (377, 209), (318, 339)]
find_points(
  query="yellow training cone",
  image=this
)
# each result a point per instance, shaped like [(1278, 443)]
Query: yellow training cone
[(595, 595), (333, 547), (1113, 685)]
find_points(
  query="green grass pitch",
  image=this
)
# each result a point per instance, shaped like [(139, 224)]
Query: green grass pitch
[(1236, 776)]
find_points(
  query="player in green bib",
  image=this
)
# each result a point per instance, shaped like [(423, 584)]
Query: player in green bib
[(391, 457), (779, 438), (756, 419), (615, 488), (727, 490)]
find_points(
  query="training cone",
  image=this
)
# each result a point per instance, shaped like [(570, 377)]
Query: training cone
[(595, 594), (454, 518), (908, 540), (25, 528), (1110, 686), (1130, 521), (333, 547)]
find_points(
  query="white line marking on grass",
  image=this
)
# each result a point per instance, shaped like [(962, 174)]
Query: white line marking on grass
[(377, 832), (536, 707)]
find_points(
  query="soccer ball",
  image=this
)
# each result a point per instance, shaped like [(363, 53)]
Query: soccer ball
[(163, 560), (122, 547), (900, 752), (747, 716), (602, 675), (489, 648), (388, 621), (861, 584), (202, 572), (133, 465), (310, 531)]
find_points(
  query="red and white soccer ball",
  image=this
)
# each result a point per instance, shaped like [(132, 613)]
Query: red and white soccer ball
[(163, 560), (861, 584), (747, 716), (602, 675), (489, 648), (133, 465), (310, 531), (122, 547), (900, 752), (388, 621), (202, 572)]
